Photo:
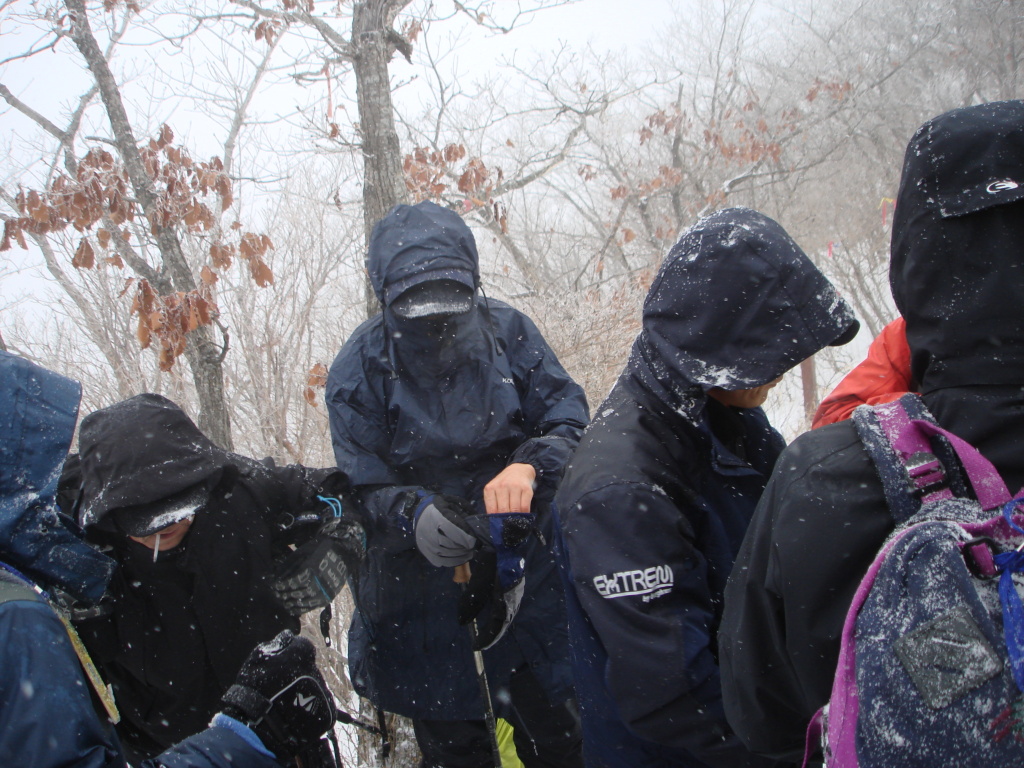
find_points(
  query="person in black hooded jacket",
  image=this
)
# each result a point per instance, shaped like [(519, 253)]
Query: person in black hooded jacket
[(53, 712), (196, 533), (957, 275), (658, 495)]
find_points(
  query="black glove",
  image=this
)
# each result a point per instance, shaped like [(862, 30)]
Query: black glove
[(313, 575), (497, 580), (442, 534), (280, 694)]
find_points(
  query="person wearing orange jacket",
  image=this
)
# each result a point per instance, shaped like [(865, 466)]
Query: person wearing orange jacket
[(883, 376)]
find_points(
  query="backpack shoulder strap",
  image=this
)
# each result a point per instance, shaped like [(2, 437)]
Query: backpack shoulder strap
[(920, 462), (14, 588), (877, 439)]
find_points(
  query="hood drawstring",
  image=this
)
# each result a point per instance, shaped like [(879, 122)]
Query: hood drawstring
[(389, 353), (490, 322)]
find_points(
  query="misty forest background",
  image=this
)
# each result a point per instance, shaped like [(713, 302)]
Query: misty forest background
[(187, 191)]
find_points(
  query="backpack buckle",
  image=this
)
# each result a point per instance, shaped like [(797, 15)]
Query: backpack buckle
[(979, 556), (926, 474)]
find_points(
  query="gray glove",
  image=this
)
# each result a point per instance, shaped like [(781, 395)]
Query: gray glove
[(442, 534)]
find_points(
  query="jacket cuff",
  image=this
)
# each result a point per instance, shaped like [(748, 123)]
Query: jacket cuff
[(244, 732)]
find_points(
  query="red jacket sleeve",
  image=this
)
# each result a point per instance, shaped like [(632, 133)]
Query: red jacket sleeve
[(881, 377)]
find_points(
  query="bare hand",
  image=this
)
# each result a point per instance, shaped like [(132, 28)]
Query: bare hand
[(511, 490), (462, 574)]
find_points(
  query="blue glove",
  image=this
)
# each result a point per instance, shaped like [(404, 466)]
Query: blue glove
[(497, 581), (448, 534)]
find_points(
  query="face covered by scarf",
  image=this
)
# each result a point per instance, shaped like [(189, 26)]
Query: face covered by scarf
[(427, 345)]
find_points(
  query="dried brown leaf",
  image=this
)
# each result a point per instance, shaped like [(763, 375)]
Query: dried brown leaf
[(261, 273), (317, 376), (84, 257)]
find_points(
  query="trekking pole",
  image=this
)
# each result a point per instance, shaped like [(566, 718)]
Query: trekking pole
[(462, 574), (344, 717)]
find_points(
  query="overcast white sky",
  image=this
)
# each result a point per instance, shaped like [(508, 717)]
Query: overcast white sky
[(47, 83), (608, 24)]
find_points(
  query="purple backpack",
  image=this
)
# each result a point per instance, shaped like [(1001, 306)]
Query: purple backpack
[(931, 665)]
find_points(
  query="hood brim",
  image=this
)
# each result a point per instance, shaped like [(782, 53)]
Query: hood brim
[(955, 269)]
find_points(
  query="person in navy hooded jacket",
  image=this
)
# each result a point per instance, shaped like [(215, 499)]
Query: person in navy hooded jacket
[(448, 399), (51, 712), (657, 497)]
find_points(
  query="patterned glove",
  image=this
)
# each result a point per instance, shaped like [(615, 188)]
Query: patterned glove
[(313, 575)]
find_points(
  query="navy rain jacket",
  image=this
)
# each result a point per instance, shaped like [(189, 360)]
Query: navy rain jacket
[(957, 274), (409, 413), (47, 716), (658, 495)]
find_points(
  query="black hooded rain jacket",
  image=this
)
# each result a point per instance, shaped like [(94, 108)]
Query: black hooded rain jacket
[(182, 625), (957, 275), (410, 413), (659, 493)]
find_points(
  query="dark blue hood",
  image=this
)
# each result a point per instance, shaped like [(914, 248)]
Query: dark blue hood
[(957, 267), (38, 409), (417, 243), (735, 305)]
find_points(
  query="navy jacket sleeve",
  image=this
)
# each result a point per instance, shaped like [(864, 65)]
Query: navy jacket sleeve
[(47, 716), (46, 712), (361, 440), (762, 694), (553, 404), (644, 586), (212, 748)]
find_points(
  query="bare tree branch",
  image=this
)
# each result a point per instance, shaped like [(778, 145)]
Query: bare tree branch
[(202, 353)]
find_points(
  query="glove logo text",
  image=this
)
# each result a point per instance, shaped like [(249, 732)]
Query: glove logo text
[(648, 584), (304, 702)]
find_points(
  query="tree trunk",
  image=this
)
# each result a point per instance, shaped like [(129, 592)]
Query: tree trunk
[(383, 180), (202, 352), (809, 379)]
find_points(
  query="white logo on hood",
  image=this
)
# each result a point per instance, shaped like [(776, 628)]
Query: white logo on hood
[(1001, 186)]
